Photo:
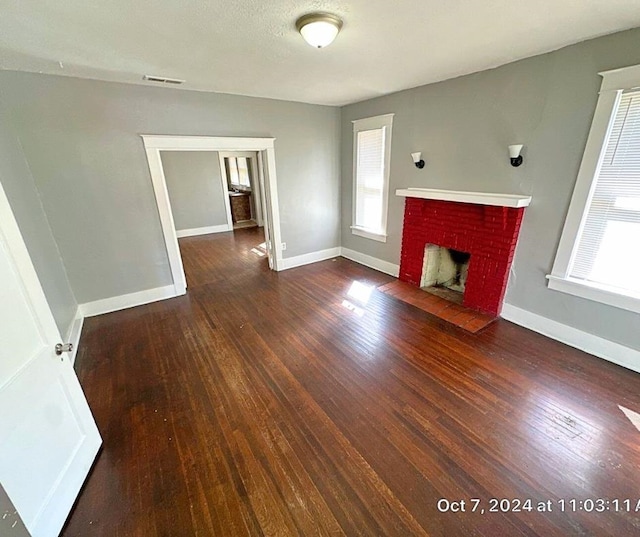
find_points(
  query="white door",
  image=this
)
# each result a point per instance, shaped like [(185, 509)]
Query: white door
[(48, 438)]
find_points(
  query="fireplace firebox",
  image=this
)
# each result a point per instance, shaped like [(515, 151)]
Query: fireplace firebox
[(444, 272)]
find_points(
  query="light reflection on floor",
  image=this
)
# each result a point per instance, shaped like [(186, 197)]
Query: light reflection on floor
[(634, 417), (260, 250), (352, 307), (360, 294), (357, 301)]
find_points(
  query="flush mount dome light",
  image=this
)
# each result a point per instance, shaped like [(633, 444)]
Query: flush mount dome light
[(319, 29)]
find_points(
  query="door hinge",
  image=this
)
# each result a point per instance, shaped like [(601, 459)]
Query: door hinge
[(63, 347)]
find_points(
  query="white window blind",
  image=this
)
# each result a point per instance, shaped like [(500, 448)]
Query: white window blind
[(608, 248), (238, 171), (243, 171), (370, 178)]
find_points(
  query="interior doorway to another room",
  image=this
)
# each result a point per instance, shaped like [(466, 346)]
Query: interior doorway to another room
[(240, 172), (213, 193), (197, 192), (257, 185)]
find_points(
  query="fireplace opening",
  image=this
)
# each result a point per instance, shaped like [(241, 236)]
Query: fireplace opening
[(444, 272)]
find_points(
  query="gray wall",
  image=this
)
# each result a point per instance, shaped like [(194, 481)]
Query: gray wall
[(81, 140), (463, 127), (195, 188), (20, 189), (85, 158)]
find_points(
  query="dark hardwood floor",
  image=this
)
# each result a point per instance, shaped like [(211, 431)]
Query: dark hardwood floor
[(266, 403)]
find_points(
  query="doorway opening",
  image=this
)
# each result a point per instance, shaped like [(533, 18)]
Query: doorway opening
[(241, 175), (265, 181)]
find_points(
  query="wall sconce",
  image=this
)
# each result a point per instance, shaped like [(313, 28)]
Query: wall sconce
[(514, 154), (417, 160)]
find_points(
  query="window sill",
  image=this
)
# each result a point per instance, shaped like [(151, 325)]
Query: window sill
[(596, 292), (361, 232)]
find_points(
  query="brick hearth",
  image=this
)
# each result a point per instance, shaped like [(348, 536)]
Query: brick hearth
[(489, 233)]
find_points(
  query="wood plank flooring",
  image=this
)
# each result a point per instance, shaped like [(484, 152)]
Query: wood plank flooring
[(288, 403)]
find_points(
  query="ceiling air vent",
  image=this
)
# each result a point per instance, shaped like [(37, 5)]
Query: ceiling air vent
[(162, 79)]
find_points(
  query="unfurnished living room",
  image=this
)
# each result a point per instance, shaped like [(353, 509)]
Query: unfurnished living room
[(319, 268)]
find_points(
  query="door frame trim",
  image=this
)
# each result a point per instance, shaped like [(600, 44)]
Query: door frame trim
[(153, 144)]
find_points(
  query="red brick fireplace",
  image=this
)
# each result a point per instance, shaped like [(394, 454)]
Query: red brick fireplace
[(488, 232)]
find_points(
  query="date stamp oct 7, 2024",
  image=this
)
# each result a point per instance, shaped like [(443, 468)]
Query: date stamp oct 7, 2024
[(528, 505)]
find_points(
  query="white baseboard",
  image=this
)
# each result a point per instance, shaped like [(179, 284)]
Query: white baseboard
[(313, 257), (73, 335), (600, 347), (107, 305), (203, 230), (372, 262)]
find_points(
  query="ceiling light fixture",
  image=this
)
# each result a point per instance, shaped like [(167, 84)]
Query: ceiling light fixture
[(319, 29)]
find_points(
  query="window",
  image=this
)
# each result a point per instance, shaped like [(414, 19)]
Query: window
[(238, 169), (599, 253), (371, 156)]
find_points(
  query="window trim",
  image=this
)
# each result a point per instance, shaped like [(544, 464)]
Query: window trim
[(375, 122), (614, 82)]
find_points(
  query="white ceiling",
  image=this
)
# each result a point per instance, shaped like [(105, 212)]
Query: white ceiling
[(251, 47)]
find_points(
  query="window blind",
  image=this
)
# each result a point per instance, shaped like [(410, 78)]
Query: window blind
[(608, 249), (233, 171), (243, 172), (370, 179), (238, 171)]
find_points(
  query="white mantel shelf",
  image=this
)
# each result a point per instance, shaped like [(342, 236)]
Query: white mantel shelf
[(480, 198)]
